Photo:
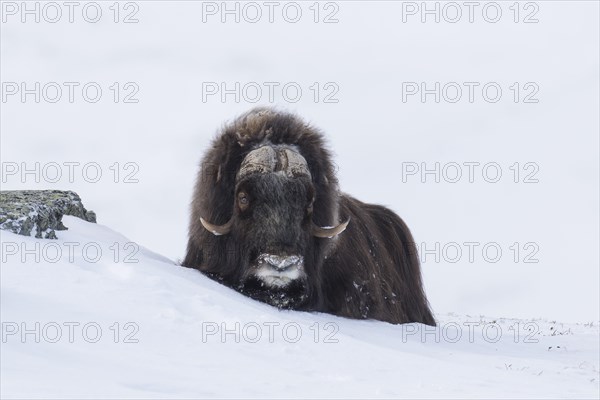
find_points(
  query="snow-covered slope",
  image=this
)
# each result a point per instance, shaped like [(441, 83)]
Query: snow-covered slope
[(130, 323)]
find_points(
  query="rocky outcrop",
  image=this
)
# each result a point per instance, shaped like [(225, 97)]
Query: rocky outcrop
[(40, 212)]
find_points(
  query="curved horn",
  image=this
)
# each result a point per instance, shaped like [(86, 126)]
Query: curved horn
[(329, 232), (217, 230)]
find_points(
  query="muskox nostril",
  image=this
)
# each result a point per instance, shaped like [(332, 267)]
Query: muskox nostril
[(279, 263)]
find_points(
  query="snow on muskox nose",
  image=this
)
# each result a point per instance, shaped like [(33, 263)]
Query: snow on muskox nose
[(279, 271)]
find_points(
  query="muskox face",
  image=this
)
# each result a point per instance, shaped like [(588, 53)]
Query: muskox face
[(272, 225)]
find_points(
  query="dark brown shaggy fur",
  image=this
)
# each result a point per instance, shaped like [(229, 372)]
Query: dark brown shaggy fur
[(371, 270)]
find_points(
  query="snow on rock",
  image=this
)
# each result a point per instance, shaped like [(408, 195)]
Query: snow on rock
[(40, 212), (93, 315)]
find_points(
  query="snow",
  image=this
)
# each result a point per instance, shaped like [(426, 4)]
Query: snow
[(182, 335), (148, 153)]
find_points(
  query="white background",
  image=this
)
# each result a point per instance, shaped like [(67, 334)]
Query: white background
[(368, 54)]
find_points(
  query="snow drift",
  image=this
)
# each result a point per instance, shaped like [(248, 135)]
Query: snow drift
[(92, 314)]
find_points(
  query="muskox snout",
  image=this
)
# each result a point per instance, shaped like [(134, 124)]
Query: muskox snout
[(278, 271), (278, 262)]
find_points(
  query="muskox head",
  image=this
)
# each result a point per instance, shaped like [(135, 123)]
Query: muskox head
[(257, 212)]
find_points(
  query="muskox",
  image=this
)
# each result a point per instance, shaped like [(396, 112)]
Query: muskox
[(269, 220)]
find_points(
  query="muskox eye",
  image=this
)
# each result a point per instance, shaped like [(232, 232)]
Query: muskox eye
[(243, 200)]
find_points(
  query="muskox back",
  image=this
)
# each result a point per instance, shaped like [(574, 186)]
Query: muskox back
[(374, 272), (369, 270)]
